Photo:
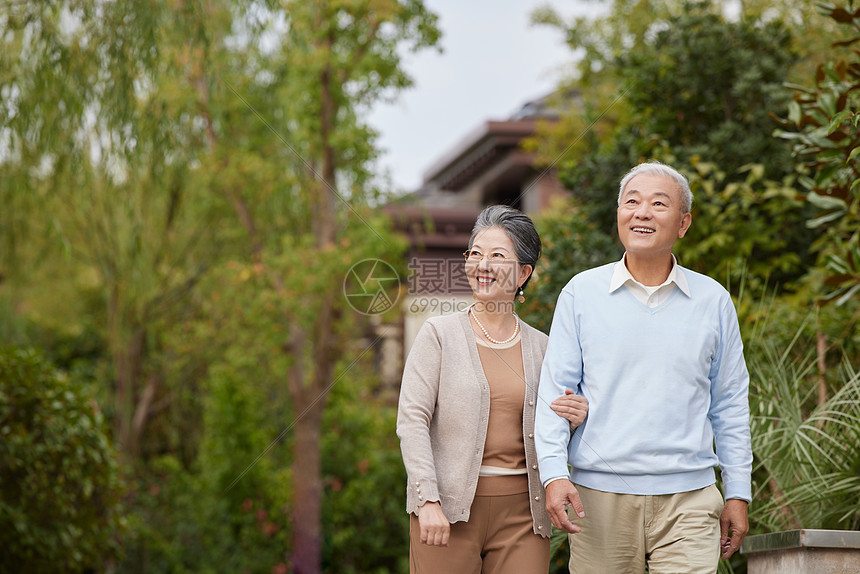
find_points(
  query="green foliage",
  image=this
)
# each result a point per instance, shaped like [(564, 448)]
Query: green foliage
[(59, 484), (705, 86), (697, 86), (747, 229), (205, 168), (806, 461), (228, 511), (559, 550), (247, 309), (823, 124), (231, 513), (625, 24), (238, 332), (787, 236), (103, 140), (182, 522), (364, 515), (571, 243)]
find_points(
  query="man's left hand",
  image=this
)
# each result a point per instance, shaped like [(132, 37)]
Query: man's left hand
[(734, 525)]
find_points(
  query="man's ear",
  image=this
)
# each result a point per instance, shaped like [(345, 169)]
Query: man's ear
[(686, 220)]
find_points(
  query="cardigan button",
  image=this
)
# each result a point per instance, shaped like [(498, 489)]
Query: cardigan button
[(531, 435), (534, 467), (531, 403), (537, 497), (540, 526), (420, 497)]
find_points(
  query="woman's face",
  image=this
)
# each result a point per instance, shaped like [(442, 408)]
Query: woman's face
[(492, 267)]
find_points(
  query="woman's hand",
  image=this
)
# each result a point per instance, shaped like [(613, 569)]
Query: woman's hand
[(572, 407), (435, 528)]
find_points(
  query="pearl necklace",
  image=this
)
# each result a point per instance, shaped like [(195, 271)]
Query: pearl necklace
[(487, 335)]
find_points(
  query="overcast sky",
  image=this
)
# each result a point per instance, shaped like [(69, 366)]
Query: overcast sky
[(493, 61)]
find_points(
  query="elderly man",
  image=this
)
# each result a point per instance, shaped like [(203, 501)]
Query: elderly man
[(656, 350)]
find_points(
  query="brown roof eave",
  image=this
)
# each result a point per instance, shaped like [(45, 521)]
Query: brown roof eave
[(477, 148)]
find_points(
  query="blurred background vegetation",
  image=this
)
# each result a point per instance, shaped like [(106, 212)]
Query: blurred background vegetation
[(183, 387)]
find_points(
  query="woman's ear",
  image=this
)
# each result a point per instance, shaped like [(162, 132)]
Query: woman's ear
[(525, 273)]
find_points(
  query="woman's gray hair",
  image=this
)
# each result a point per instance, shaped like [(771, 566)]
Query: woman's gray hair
[(518, 226), (654, 167)]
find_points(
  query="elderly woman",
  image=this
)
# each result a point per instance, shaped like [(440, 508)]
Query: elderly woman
[(466, 417)]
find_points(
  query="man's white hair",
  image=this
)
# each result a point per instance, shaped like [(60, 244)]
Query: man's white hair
[(655, 167)]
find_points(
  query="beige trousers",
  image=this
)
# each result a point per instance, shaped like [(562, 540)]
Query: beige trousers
[(671, 533), (497, 539)]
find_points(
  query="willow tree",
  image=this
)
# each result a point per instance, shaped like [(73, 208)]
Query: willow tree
[(160, 139), (99, 149)]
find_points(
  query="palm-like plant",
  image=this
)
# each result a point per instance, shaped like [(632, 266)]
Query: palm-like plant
[(807, 460)]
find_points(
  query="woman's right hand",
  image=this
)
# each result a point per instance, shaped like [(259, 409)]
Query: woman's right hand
[(572, 407), (435, 528)]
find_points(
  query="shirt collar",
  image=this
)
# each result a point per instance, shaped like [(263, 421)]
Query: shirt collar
[(621, 275)]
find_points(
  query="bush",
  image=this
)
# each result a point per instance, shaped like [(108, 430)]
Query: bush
[(365, 525), (59, 486), (228, 511)]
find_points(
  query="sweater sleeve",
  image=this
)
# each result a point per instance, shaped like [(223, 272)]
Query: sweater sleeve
[(729, 412), (418, 392), (562, 369)]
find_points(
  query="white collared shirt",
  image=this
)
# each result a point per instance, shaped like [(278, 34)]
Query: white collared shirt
[(651, 296)]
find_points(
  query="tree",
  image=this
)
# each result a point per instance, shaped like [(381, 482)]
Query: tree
[(747, 233), (695, 85), (705, 87), (824, 125), (336, 59), (100, 145), (173, 139), (696, 90)]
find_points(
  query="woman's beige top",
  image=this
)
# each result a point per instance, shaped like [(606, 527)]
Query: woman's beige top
[(443, 416), (504, 449)]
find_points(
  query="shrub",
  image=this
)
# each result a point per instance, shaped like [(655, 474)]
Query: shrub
[(59, 486)]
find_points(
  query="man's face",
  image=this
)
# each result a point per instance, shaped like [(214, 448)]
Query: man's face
[(649, 215)]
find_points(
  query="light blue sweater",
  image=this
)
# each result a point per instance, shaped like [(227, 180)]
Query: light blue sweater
[(662, 383)]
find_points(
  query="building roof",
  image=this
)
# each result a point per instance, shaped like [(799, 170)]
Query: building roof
[(478, 151), (494, 142)]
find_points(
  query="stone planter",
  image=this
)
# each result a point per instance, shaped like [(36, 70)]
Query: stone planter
[(803, 552)]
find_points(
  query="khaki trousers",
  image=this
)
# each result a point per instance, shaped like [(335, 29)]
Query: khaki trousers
[(497, 539), (671, 533)]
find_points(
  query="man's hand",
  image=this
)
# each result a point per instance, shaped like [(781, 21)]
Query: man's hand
[(571, 406), (560, 493), (734, 525), (435, 528)]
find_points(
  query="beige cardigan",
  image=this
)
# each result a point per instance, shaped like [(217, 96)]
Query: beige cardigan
[(443, 412)]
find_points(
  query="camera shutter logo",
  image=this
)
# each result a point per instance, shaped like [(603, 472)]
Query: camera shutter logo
[(369, 285)]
